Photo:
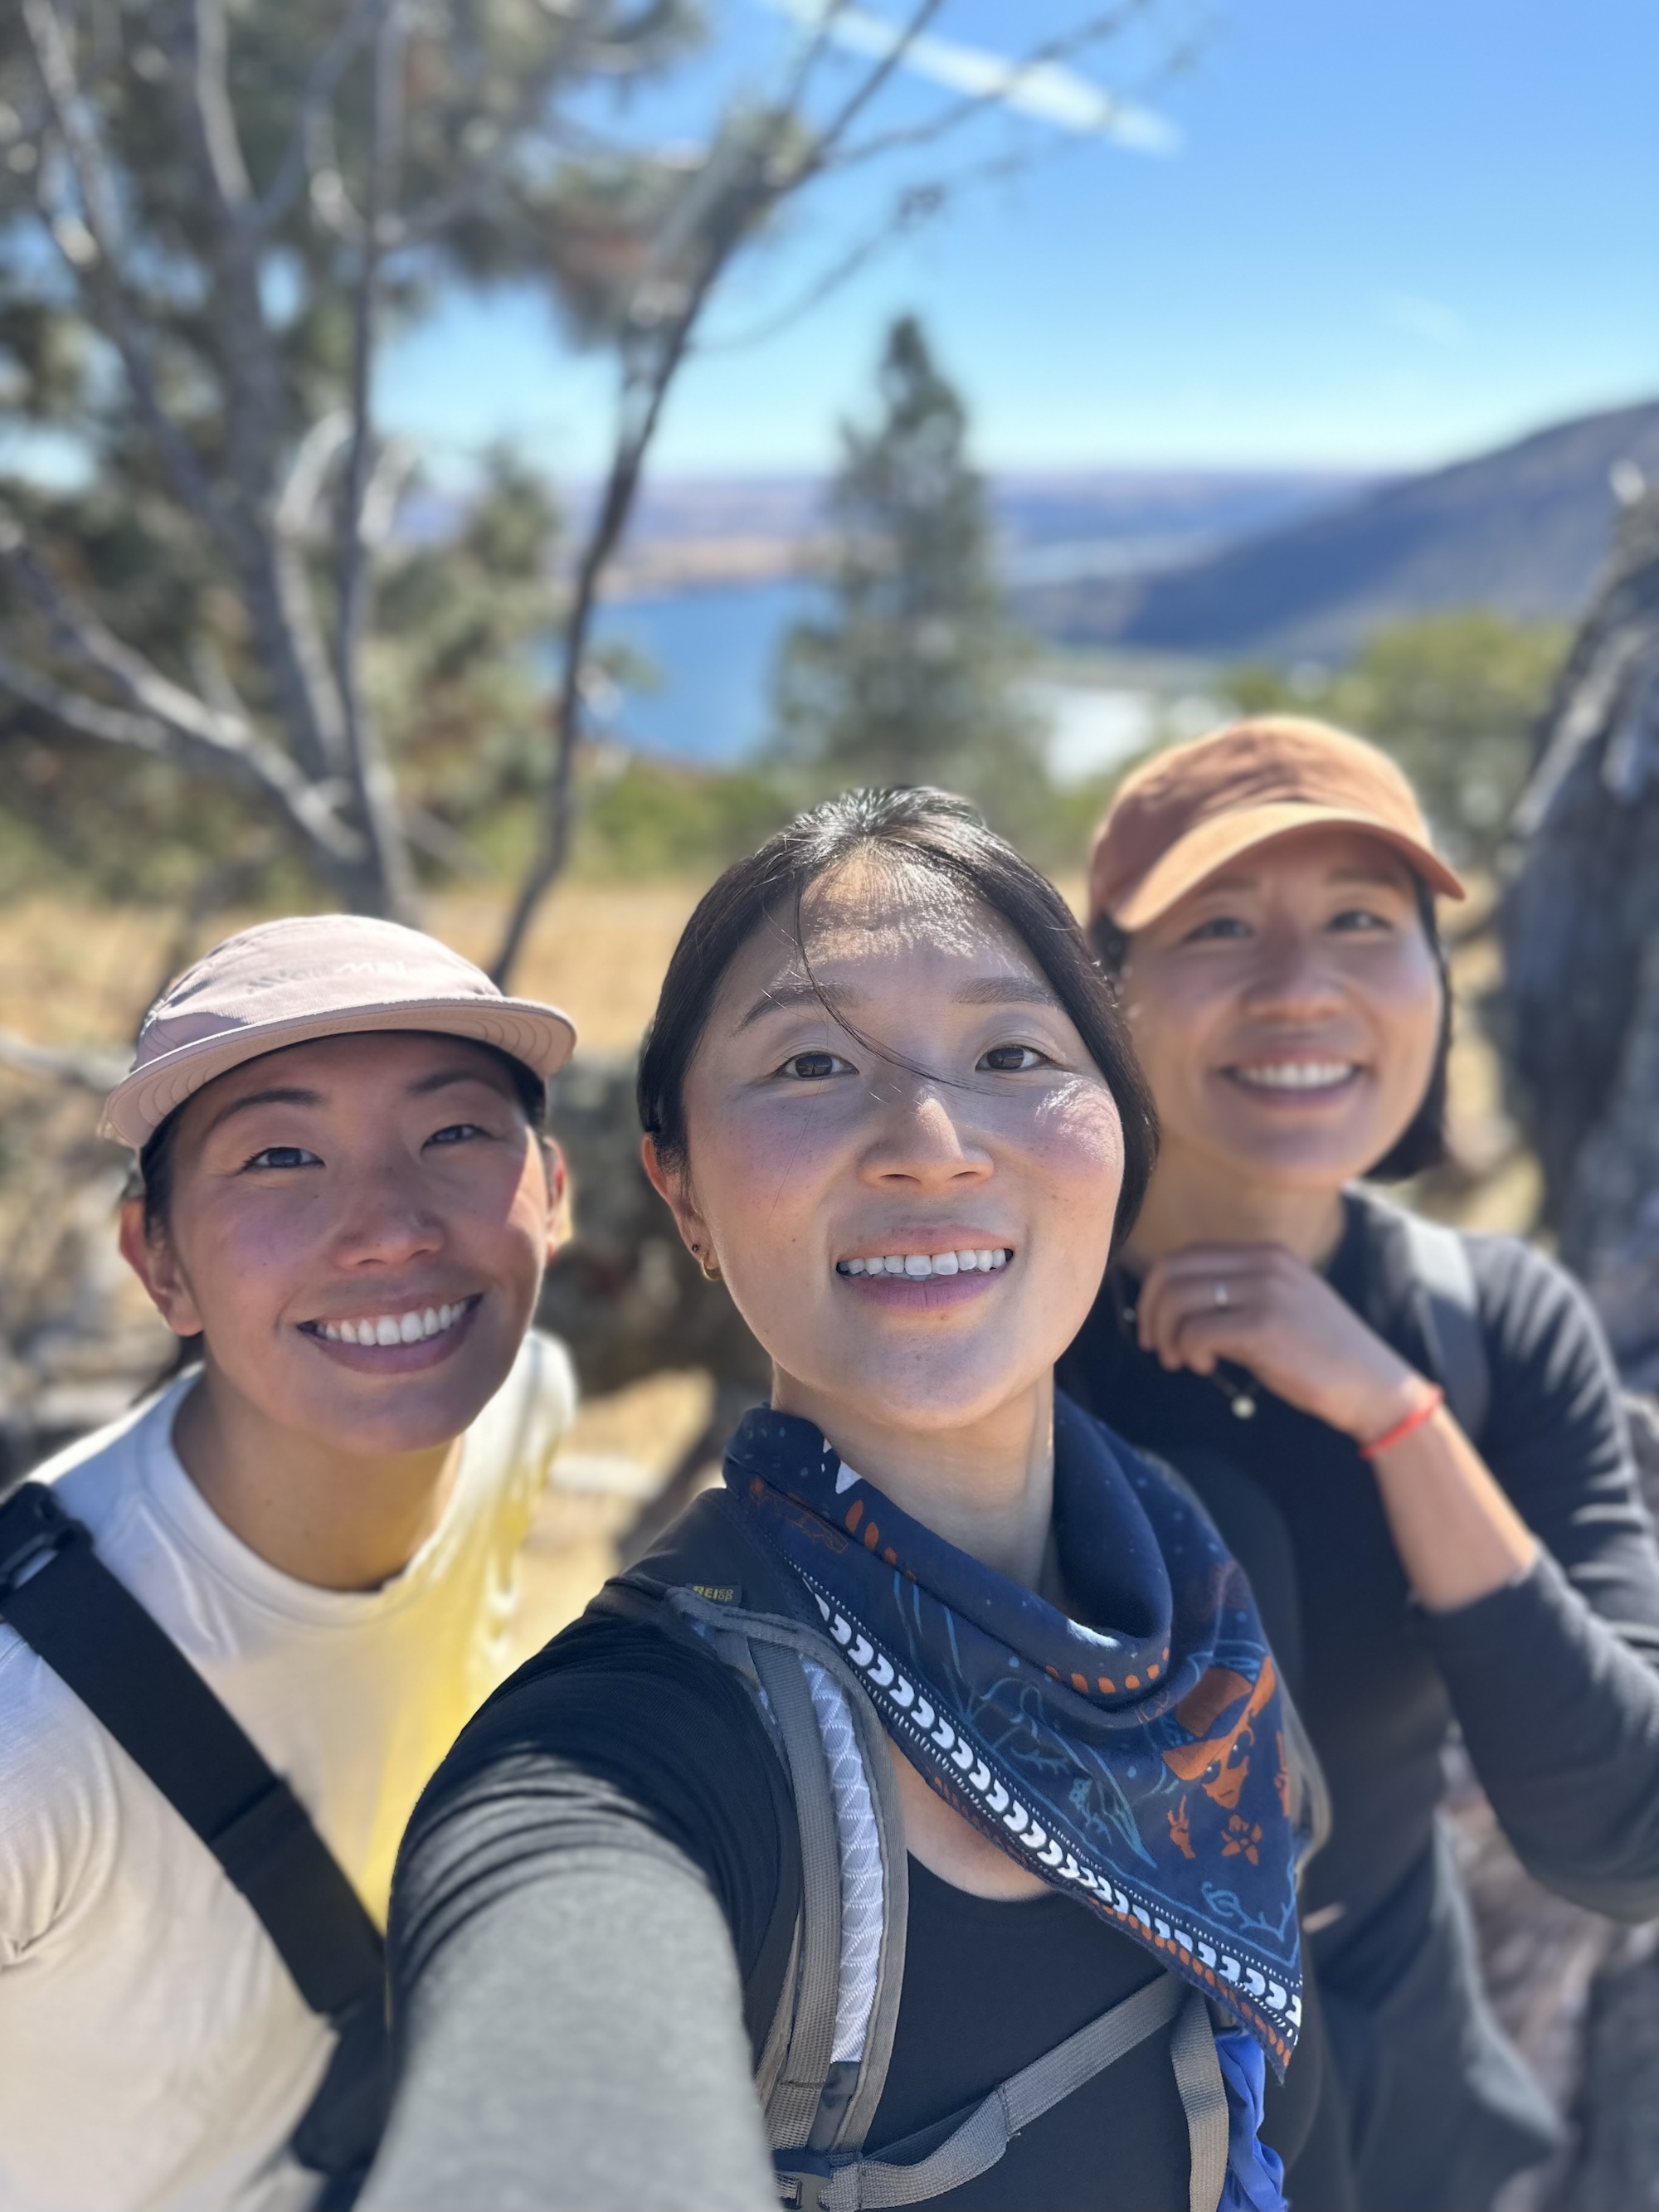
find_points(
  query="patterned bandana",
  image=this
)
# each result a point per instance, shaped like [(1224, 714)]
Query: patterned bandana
[(1140, 1765)]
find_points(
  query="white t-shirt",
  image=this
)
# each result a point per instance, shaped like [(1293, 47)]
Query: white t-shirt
[(152, 2050)]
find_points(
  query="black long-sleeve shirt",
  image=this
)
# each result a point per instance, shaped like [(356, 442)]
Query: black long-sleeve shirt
[(1551, 1681)]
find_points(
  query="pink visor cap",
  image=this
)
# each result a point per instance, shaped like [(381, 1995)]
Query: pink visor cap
[(316, 975)]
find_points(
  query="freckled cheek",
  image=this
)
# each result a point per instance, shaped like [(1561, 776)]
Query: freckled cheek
[(1078, 1141), (768, 1165)]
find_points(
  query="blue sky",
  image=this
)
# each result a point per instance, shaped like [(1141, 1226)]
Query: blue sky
[(1389, 234)]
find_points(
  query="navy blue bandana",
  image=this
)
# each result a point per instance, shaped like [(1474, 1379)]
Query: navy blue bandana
[(1140, 1765)]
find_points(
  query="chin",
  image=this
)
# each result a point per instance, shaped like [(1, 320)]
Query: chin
[(1303, 1163)]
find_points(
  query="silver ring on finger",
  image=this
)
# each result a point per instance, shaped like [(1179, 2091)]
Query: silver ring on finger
[(1221, 1297)]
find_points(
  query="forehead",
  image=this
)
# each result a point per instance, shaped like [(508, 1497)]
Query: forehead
[(337, 1069), (873, 921)]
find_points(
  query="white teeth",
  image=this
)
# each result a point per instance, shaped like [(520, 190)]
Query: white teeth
[(1295, 1074), (918, 1266), (411, 1328)]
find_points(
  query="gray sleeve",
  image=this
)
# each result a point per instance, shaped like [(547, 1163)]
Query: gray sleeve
[(569, 2024), (1561, 1719)]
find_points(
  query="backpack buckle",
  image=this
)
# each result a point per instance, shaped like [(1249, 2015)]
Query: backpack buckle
[(33, 1528), (803, 2177)]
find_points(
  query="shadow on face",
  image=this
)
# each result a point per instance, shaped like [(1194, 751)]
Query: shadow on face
[(1288, 1014), (357, 1227), (899, 1150)]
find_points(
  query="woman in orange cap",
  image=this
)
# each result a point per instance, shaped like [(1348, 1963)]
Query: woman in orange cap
[(1412, 1439)]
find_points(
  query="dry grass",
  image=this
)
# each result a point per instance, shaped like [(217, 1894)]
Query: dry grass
[(84, 975)]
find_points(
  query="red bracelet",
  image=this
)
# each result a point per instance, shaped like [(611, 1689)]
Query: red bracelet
[(1426, 1407)]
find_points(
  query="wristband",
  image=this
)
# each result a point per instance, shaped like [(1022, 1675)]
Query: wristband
[(1426, 1407)]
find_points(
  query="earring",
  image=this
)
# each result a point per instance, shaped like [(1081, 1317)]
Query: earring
[(711, 1270)]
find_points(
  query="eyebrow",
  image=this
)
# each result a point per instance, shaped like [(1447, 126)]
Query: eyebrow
[(999, 990), (294, 1094)]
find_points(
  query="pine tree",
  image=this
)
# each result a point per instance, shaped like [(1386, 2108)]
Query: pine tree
[(908, 677)]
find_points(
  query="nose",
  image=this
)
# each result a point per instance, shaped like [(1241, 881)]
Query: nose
[(920, 1143), (387, 1222), (1292, 979)]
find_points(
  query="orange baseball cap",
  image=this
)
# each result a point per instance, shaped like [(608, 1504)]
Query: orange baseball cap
[(316, 975), (1195, 807)]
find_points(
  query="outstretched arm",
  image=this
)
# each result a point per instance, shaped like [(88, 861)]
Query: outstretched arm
[(570, 1947)]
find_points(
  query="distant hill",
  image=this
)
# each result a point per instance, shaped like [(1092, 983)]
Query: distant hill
[(1523, 530)]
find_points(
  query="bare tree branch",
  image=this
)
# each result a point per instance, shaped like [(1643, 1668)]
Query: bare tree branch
[(95, 265), (274, 583), (377, 798), (164, 717), (85, 1069), (329, 66), (1109, 24), (645, 391)]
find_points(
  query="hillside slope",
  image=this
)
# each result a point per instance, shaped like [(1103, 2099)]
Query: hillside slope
[(1523, 530)]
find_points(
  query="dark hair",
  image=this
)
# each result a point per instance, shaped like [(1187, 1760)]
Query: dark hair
[(156, 1162), (928, 829), (1422, 1143)]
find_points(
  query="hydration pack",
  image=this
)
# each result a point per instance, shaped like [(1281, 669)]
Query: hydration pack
[(823, 2060)]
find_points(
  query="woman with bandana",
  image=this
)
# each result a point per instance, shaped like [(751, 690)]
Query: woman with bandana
[(889, 1101), (1414, 1440)]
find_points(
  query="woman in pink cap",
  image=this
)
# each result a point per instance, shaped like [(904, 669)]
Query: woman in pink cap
[(1412, 1439), (261, 1605)]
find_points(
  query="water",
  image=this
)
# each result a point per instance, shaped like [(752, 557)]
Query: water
[(712, 650)]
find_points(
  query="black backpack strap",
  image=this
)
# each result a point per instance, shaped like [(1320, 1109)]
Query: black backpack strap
[(1448, 1307), (92, 1632), (1447, 1302)]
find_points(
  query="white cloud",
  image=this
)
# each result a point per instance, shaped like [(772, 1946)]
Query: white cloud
[(1424, 318), (1047, 91)]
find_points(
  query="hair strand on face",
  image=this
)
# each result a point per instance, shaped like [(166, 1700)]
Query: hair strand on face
[(914, 828)]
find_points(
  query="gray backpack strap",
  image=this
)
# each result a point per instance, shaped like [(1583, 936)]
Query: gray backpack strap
[(1449, 1310), (1204, 2100), (866, 2184), (825, 2063)]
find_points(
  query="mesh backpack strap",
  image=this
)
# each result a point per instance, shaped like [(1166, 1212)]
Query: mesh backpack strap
[(792, 2107), (93, 1634)]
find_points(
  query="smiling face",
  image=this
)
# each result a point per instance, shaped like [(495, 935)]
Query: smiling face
[(1287, 1013), (358, 1228), (912, 1206)]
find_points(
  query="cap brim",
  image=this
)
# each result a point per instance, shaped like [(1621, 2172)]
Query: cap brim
[(541, 1036), (1195, 857)]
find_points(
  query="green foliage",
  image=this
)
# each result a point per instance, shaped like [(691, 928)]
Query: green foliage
[(452, 671), (179, 271), (1456, 698), (907, 679), (654, 818)]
